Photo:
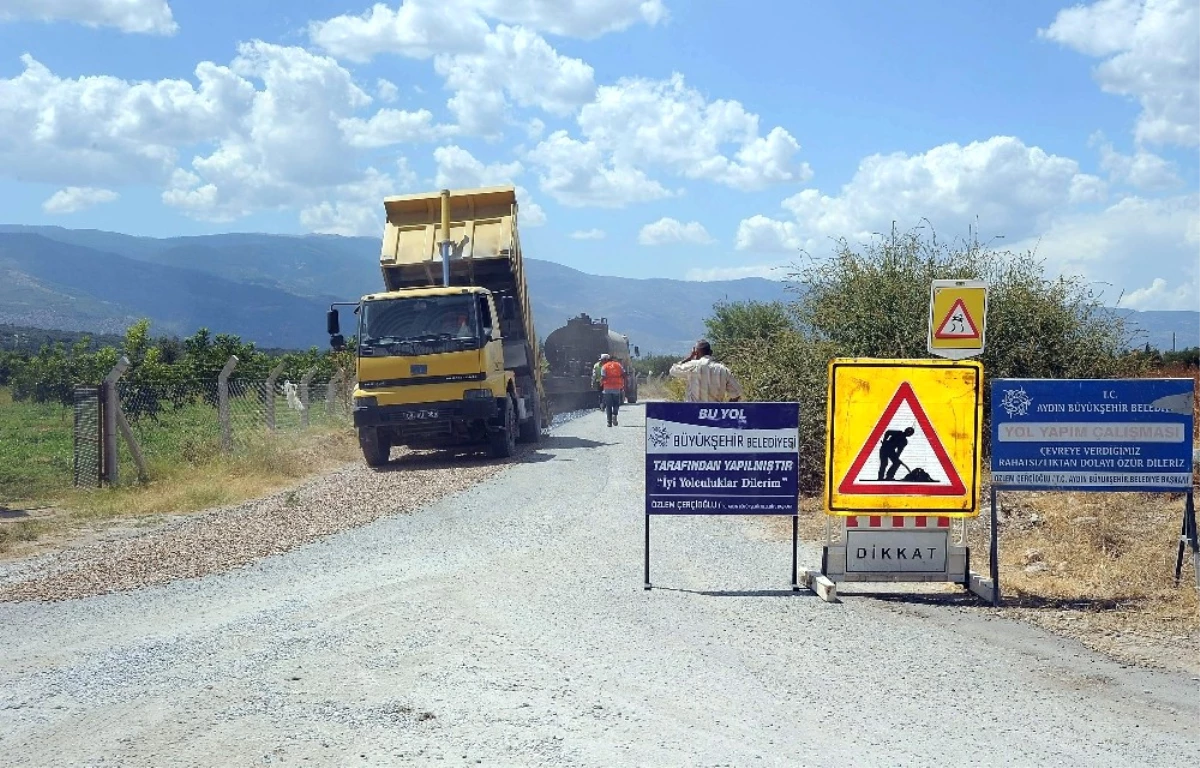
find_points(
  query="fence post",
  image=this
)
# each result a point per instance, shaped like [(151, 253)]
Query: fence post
[(112, 402), (331, 390), (304, 382), (134, 449), (270, 394), (223, 403)]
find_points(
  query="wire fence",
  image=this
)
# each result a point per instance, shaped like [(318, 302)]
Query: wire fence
[(195, 420)]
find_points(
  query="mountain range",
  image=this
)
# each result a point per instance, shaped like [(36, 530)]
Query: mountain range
[(274, 289)]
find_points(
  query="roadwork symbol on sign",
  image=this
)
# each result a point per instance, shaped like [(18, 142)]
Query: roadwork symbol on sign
[(903, 432), (957, 318), (957, 324), (903, 437)]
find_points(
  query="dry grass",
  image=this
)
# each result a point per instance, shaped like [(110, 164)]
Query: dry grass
[(662, 388), (263, 467), (1099, 568)]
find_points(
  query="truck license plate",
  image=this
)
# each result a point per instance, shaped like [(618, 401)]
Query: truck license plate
[(423, 414)]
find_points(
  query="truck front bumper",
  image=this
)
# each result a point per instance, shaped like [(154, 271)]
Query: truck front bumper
[(366, 415)]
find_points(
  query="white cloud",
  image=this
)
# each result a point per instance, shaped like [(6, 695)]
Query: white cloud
[(1012, 188), (74, 199), (386, 90), (101, 130), (423, 28), (357, 207), (767, 271), (265, 132), (137, 16), (392, 126), (667, 230), (588, 234), (512, 63), (1131, 244), (1142, 170), (1151, 52), (531, 214), (288, 146), (765, 235), (666, 123), (576, 174), (457, 168), (417, 29), (576, 18)]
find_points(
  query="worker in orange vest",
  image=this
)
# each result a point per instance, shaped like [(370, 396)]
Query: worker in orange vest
[(612, 387)]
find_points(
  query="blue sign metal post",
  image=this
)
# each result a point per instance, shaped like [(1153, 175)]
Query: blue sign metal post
[(722, 459), (1100, 435)]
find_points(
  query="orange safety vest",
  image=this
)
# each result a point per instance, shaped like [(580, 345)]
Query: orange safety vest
[(612, 376)]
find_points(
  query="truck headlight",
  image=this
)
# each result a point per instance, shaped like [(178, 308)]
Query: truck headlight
[(477, 394), (366, 402)]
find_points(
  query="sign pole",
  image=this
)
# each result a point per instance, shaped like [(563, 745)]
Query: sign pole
[(1194, 536), (1188, 536), (1183, 539), (647, 550), (994, 552), (795, 547)]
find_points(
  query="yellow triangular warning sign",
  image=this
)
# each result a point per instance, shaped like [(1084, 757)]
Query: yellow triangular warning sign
[(957, 324), (902, 438)]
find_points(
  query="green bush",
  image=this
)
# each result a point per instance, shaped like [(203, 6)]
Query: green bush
[(874, 302)]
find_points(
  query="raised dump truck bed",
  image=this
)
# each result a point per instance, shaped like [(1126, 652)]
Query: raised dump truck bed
[(486, 253)]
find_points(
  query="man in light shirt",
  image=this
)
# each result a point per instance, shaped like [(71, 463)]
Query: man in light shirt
[(707, 380)]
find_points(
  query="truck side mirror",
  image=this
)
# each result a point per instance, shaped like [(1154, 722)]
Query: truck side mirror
[(337, 341), (332, 326), (508, 307), (637, 352)]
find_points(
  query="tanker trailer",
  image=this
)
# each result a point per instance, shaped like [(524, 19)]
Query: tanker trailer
[(571, 352)]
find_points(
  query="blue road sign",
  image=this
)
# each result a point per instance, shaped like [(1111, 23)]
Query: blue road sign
[(722, 458), (1092, 434)]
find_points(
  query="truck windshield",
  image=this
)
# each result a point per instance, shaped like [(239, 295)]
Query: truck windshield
[(419, 326)]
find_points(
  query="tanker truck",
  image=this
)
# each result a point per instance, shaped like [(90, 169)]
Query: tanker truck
[(572, 350), (446, 354)]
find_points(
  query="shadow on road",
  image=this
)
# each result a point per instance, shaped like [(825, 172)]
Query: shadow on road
[(739, 592), (1082, 604), (449, 458), (963, 598)]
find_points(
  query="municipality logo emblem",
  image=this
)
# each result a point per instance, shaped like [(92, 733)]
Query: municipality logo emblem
[(659, 437), (1016, 402)]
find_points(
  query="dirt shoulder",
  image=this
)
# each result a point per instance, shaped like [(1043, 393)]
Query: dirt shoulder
[(1096, 568), (126, 554)]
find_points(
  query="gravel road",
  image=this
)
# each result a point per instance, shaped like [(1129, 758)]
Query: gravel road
[(507, 625)]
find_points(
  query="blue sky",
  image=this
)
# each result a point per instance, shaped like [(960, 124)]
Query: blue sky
[(646, 137)]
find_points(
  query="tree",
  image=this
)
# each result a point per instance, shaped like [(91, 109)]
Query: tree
[(874, 302), (746, 320)]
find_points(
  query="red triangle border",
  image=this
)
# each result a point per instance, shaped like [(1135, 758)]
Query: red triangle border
[(970, 321), (850, 485)]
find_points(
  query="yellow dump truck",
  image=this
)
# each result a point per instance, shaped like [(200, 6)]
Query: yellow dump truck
[(447, 354)]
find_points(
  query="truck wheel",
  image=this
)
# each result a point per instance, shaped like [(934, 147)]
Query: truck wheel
[(504, 441), (531, 428), (631, 395), (376, 447)]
